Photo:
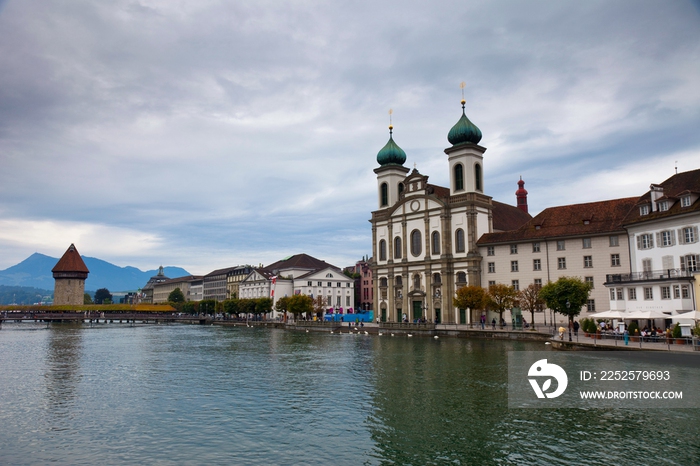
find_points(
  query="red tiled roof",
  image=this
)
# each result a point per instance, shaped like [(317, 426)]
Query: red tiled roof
[(673, 188), (440, 191), (507, 217), (299, 261), (71, 262), (572, 220)]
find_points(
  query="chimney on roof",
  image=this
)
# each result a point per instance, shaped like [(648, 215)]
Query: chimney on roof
[(521, 196), (656, 192)]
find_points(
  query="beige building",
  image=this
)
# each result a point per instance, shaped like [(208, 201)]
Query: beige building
[(162, 290), (234, 277), (581, 240)]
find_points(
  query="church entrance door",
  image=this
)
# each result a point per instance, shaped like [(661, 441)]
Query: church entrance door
[(417, 310)]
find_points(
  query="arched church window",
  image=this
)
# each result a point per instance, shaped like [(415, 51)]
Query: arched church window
[(398, 280), (436, 279), (477, 177), (416, 282), (436, 243), (401, 188), (459, 177), (397, 247), (385, 194), (383, 282), (382, 250), (459, 240), (461, 278), (416, 243)]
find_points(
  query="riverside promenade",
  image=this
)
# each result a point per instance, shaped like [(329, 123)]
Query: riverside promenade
[(617, 342)]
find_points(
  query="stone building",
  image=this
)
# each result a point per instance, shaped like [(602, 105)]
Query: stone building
[(69, 276)]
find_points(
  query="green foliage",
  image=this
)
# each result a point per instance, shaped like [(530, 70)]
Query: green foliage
[(584, 324), (676, 332), (23, 295), (176, 296), (566, 296), (501, 298), (232, 306), (300, 303), (87, 299), (263, 305), (592, 326), (282, 304), (102, 295), (190, 307), (633, 329), (207, 306)]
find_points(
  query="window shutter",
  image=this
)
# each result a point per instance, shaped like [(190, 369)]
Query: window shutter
[(639, 242), (682, 263), (658, 239), (695, 234), (681, 236), (673, 237), (667, 262), (651, 240)]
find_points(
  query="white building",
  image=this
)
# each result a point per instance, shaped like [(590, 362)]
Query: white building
[(300, 274), (664, 249), (424, 236)]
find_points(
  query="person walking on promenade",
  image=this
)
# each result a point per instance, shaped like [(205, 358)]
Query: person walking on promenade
[(483, 321), (493, 323)]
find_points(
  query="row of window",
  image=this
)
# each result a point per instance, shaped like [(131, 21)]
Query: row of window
[(666, 238), (416, 242), (459, 177), (561, 263), (437, 280), (665, 205), (330, 284), (587, 243), (688, 262), (679, 291)]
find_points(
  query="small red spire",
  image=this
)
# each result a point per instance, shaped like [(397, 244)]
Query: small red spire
[(521, 195)]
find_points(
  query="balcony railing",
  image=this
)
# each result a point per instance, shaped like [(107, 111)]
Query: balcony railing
[(649, 275)]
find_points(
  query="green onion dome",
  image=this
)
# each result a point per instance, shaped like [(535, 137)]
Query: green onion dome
[(391, 153), (464, 131)]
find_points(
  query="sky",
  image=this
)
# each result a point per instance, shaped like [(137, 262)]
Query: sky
[(206, 134)]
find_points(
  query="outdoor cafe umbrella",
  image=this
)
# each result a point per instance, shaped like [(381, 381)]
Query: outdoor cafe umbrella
[(646, 315), (692, 315), (610, 315)]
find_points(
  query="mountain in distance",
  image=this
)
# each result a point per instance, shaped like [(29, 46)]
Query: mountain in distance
[(35, 271)]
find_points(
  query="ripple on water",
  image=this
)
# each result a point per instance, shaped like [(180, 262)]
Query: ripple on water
[(174, 394)]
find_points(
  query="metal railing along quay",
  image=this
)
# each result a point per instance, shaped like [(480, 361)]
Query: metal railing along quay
[(658, 342)]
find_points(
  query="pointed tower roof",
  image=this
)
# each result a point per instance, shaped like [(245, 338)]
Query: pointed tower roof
[(391, 153), (71, 262), (464, 131)]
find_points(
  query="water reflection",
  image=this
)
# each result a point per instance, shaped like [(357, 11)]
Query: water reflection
[(62, 375)]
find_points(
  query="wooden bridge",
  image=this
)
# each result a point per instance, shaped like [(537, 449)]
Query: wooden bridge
[(104, 316)]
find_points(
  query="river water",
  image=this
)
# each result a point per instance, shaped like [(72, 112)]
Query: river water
[(181, 394)]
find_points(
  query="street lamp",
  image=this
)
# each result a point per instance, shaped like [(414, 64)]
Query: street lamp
[(568, 306)]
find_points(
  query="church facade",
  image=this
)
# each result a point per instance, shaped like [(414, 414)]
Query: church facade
[(424, 237)]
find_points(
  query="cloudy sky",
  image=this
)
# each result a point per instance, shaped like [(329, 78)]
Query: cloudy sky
[(205, 134)]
